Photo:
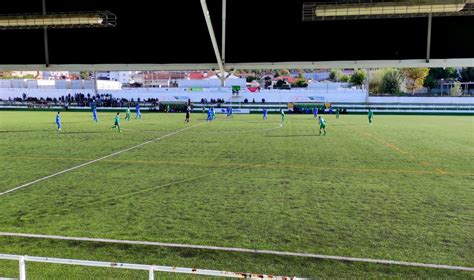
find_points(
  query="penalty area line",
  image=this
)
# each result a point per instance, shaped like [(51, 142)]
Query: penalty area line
[(239, 250), (95, 160)]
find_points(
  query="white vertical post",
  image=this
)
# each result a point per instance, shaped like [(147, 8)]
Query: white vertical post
[(22, 268), (428, 40), (222, 78), (45, 36), (95, 83), (367, 84), (151, 273)]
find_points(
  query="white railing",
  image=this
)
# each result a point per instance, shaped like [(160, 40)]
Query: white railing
[(150, 268)]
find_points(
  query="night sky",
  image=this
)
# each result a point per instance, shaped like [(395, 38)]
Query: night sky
[(257, 31)]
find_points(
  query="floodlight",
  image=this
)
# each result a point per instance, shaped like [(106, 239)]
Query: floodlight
[(366, 9), (384, 9), (58, 20)]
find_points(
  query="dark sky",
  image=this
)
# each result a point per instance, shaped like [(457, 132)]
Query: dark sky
[(257, 31)]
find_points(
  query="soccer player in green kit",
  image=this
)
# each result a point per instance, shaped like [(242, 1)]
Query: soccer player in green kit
[(282, 116), (117, 122), (322, 125), (127, 114), (213, 114), (371, 116)]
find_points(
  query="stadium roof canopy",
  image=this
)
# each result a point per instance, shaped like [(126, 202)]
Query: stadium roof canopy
[(263, 34)]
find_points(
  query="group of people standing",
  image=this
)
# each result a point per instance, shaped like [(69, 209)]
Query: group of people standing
[(95, 117), (138, 115), (211, 115)]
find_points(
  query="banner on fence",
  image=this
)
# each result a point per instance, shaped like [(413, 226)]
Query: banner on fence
[(234, 111), (304, 98)]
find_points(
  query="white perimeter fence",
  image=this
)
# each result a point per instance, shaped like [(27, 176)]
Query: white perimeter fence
[(150, 268)]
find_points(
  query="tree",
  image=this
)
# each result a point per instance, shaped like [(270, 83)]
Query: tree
[(393, 82), (467, 74), (375, 80), (28, 76), (456, 90), (335, 74), (85, 75), (5, 74), (345, 78), (279, 84), (283, 72), (358, 78), (300, 82), (417, 77), (436, 74), (250, 79)]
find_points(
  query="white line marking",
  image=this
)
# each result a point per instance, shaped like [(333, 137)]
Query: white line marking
[(96, 160), (241, 250)]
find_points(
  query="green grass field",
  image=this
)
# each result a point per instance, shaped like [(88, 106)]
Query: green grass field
[(401, 189)]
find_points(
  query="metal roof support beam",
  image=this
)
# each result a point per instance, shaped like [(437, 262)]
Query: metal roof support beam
[(405, 63), (408, 63), (45, 35), (109, 67), (428, 40), (207, 16)]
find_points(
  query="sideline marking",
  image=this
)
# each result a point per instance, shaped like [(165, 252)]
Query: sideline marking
[(96, 160), (241, 250), (390, 145)]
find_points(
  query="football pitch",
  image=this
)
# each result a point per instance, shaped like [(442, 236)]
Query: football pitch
[(401, 189)]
